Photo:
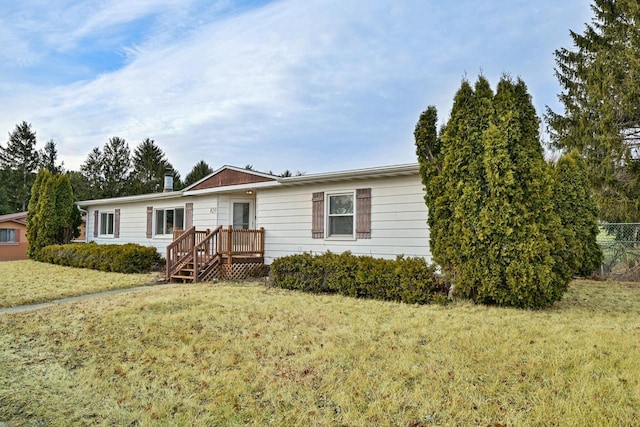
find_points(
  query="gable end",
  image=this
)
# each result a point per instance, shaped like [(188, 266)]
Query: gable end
[(228, 177)]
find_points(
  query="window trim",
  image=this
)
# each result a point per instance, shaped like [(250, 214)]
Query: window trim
[(328, 215), (110, 217), (164, 221)]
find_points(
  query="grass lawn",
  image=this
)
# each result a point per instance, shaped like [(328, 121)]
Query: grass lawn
[(238, 354), (28, 282)]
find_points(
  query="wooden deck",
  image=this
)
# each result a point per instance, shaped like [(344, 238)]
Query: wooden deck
[(224, 253)]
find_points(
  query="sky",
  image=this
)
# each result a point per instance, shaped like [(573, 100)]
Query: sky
[(300, 85)]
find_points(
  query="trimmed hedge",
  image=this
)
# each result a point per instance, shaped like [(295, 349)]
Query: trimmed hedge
[(409, 280), (128, 258)]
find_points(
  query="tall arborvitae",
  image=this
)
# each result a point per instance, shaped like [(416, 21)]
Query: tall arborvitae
[(578, 212), (33, 218), (428, 152), (53, 218), (495, 232)]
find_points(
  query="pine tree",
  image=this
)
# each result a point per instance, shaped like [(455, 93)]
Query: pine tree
[(93, 171), (601, 94), (116, 165), (20, 161), (492, 224), (149, 166), (49, 158), (199, 171)]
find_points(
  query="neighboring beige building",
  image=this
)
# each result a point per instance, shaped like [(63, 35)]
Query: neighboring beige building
[(13, 236)]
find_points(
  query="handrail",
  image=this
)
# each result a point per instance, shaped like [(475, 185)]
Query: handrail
[(203, 247), (178, 248), (205, 251)]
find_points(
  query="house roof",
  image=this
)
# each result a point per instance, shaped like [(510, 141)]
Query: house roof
[(233, 179), (131, 199), (19, 217), (365, 173)]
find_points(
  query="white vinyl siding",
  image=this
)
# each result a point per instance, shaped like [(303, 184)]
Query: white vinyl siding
[(398, 219), (133, 220)]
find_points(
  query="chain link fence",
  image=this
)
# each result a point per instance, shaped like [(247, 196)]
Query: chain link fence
[(620, 243)]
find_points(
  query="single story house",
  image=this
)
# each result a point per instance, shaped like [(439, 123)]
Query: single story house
[(13, 236), (239, 219)]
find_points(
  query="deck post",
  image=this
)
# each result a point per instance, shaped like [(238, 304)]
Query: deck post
[(230, 245), (262, 242)]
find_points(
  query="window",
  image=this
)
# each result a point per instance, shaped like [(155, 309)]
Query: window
[(106, 223), (7, 235), (169, 219), (340, 215), (241, 215)]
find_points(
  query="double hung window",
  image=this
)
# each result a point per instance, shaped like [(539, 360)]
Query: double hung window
[(340, 215)]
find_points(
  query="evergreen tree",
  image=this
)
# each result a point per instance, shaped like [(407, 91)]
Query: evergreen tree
[(20, 161), (578, 212), (5, 205), (149, 165), (116, 165), (199, 171), (67, 214), (80, 185), (53, 217), (49, 158), (601, 94), (493, 228), (93, 171), (34, 218), (428, 146)]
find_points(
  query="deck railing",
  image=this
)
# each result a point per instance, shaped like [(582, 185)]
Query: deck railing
[(241, 242), (203, 247), (206, 251), (181, 248)]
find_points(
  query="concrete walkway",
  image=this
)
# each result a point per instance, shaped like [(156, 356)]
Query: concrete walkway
[(32, 307)]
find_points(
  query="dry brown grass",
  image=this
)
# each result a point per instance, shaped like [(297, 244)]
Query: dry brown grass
[(235, 354), (28, 282)]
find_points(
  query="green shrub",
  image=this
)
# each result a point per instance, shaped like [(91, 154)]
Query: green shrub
[(409, 280), (129, 258)]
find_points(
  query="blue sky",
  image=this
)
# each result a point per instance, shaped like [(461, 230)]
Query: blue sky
[(313, 85)]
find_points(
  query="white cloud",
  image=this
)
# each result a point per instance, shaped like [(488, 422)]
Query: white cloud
[(313, 85)]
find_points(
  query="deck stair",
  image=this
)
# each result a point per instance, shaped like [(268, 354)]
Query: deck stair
[(225, 253)]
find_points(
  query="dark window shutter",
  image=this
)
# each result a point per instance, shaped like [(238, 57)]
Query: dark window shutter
[(116, 224), (363, 213), (149, 221), (188, 216), (317, 216), (96, 216), (16, 236)]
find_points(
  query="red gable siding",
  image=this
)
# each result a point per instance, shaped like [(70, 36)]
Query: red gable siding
[(230, 177)]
